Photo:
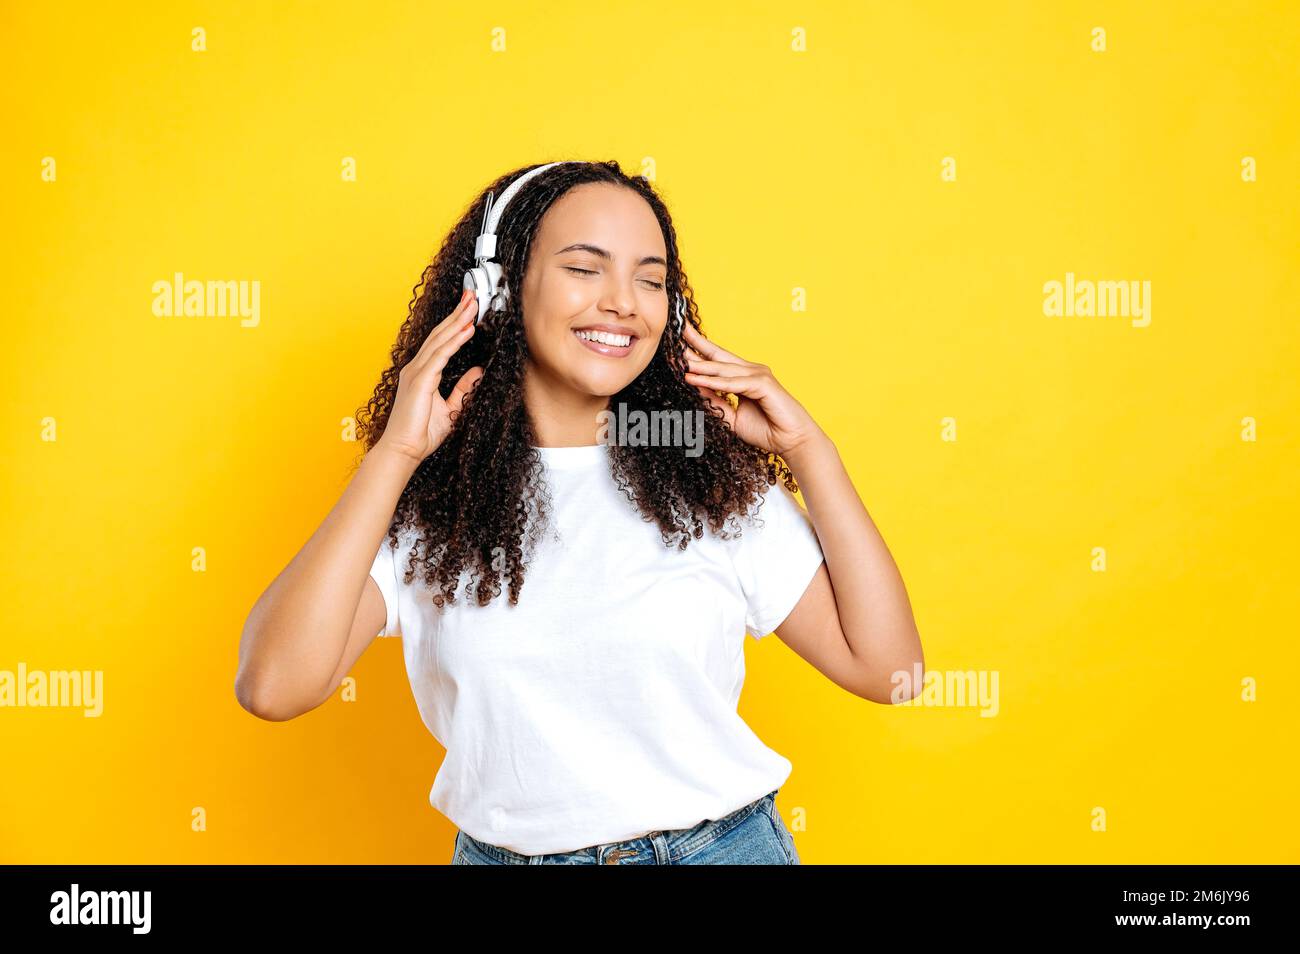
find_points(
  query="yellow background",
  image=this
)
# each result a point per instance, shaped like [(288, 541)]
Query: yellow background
[(818, 170)]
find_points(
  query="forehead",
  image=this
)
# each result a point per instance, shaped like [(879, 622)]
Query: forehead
[(602, 214)]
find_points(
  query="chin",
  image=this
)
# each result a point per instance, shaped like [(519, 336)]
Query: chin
[(602, 377), (600, 385)]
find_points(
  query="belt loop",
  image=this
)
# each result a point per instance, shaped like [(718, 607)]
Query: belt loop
[(663, 854)]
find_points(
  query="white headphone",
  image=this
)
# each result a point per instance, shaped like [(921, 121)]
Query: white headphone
[(485, 277)]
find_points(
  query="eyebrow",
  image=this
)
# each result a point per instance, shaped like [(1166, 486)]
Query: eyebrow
[(600, 252)]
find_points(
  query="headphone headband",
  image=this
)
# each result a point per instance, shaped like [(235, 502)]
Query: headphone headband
[(485, 277), (486, 245)]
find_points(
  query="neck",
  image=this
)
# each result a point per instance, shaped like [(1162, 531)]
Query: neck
[(561, 416)]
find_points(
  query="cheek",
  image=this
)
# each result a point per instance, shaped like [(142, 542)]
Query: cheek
[(547, 341), (558, 296)]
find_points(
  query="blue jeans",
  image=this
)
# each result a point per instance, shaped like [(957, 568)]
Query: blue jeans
[(752, 835)]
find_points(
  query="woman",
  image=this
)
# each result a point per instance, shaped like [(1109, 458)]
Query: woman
[(589, 711)]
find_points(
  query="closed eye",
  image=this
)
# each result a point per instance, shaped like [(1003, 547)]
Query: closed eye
[(657, 286)]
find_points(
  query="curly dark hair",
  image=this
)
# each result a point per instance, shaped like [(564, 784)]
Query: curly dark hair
[(482, 491)]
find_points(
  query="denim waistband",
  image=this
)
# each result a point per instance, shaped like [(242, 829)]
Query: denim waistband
[(672, 844)]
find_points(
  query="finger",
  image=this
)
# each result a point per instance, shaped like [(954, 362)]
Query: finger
[(737, 385), (468, 381), (454, 324), (718, 368), (707, 348), (451, 325), (439, 356), (441, 348)]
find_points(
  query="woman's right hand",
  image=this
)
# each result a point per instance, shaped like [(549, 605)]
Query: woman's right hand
[(420, 419)]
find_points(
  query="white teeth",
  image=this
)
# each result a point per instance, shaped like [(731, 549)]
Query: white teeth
[(604, 337)]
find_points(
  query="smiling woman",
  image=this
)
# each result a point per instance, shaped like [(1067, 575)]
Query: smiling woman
[(589, 271), (592, 705)]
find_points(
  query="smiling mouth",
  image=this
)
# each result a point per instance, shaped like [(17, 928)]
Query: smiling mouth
[(604, 342)]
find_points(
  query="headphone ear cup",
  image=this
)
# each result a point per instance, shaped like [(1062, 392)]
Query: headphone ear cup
[(494, 293), (477, 278)]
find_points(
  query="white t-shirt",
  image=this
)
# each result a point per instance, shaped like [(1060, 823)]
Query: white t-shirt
[(603, 706)]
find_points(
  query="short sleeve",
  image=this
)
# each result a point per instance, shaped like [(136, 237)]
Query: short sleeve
[(776, 558), (384, 572)]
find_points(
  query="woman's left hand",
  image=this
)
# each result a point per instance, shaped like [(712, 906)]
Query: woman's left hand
[(766, 414)]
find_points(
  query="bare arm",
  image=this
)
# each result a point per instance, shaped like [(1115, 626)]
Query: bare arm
[(854, 621), (321, 612), (294, 639)]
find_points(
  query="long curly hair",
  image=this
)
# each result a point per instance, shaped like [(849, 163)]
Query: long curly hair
[(479, 499)]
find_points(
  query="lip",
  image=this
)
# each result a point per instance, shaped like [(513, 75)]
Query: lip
[(609, 351)]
